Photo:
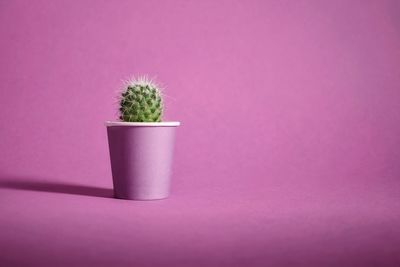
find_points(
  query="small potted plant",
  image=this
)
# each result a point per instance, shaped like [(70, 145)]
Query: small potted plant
[(141, 144)]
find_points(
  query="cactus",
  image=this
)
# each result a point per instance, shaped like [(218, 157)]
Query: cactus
[(141, 101)]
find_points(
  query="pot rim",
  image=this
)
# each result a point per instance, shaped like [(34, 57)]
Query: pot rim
[(142, 124)]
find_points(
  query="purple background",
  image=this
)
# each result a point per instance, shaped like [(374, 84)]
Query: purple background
[(288, 153)]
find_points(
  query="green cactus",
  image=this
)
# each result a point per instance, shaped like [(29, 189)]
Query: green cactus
[(141, 101)]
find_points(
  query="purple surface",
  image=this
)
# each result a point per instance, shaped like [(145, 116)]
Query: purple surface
[(288, 154)]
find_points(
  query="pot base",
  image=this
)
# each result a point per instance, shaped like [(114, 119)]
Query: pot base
[(140, 199)]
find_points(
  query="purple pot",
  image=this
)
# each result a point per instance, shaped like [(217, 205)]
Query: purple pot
[(141, 158)]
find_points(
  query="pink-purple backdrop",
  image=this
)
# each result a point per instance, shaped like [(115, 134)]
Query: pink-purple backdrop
[(288, 153)]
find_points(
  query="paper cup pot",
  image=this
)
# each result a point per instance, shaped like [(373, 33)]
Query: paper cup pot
[(141, 156)]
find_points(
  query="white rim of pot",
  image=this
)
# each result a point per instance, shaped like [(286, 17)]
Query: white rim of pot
[(156, 124)]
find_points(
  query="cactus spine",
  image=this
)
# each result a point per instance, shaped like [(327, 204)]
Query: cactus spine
[(141, 101)]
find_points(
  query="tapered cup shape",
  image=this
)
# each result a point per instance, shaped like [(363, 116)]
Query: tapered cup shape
[(141, 159)]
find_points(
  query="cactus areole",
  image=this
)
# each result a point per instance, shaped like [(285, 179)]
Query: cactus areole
[(141, 101)]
